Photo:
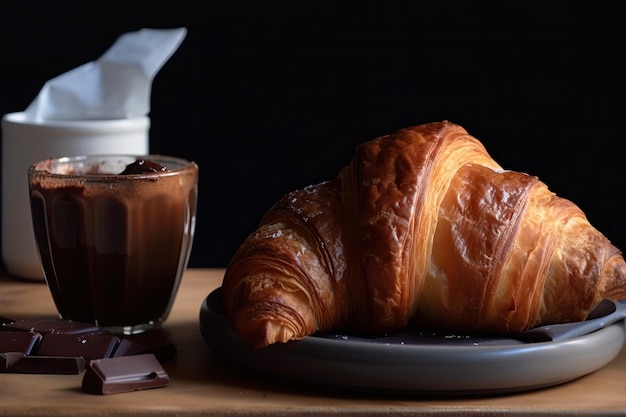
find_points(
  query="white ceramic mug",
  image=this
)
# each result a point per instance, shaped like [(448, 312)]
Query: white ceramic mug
[(25, 142)]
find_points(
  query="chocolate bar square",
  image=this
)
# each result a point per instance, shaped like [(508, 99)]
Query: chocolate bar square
[(23, 342), (56, 326), (124, 374), (87, 345), (17, 362)]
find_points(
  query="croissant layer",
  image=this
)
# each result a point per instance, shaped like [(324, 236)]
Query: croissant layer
[(421, 227)]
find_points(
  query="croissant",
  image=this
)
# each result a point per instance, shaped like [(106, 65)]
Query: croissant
[(421, 227)]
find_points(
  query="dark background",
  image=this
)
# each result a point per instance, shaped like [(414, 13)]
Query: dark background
[(268, 97)]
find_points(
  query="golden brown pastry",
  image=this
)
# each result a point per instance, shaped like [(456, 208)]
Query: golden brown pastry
[(422, 226)]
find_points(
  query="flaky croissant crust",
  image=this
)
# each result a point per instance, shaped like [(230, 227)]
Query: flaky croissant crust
[(422, 226)]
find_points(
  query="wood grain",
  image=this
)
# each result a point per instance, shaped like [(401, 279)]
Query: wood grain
[(202, 385)]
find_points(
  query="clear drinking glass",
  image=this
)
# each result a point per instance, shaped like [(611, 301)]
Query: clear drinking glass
[(114, 244)]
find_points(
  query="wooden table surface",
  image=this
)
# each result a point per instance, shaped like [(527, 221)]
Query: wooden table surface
[(201, 384)]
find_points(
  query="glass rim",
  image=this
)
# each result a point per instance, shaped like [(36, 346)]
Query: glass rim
[(43, 167)]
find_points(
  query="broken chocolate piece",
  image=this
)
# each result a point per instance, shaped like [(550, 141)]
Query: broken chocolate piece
[(87, 345), (17, 362), (124, 374), (142, 166), (154, 341), (24, 342), (58, 346), (8, 359), (57, 326)]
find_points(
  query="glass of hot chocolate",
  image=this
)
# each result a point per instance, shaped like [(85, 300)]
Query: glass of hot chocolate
[(114, 234)]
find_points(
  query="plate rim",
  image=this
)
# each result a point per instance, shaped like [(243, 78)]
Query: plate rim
[(416, 369)]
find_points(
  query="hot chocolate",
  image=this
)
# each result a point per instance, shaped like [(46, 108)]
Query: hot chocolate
[(113, 247)]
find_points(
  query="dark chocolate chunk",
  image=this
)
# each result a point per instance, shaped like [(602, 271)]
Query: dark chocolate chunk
[(128, 348), (142, 166), (87, 345), (57, 326), (17, 362), (7, 359), (58, 346), (154, 341), (124, 374), (24, 342)]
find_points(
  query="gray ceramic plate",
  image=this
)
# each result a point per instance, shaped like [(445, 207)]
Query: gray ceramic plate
[(414, 361)]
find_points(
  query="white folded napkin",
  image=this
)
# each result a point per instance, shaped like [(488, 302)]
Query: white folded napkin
[(115, 86)]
